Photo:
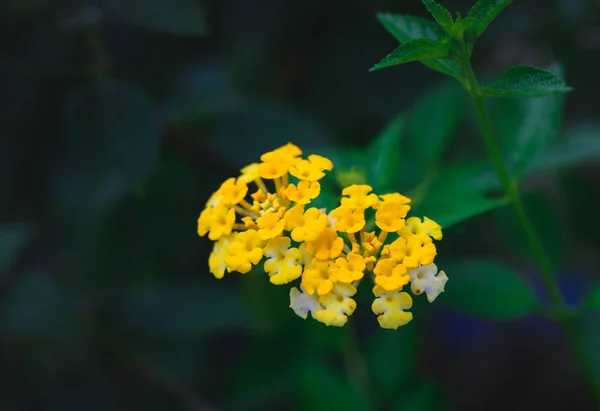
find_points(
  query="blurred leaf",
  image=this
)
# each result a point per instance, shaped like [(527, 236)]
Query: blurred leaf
[(451, 200), (423, 398), (179, 17), (406, 28), (384, 156), (428, 138), (322, 389), (415, 50), (525, 81), (592, 301), (111, 139), (182, 311), (589, 325), (201, 91), (440, 14), (546, 222), (580, 145), (474, 174), (255, 127), (481, 15), (13, 238), (487, 288), (391, 359), (37, 308), (327, 198), (527, 126)]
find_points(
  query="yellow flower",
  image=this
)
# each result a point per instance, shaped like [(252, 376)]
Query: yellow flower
[(318, 278), (205, 221), (337, 305), (348, 219), (395, 198), (302, 303), (321, 162), (349, 269), (414, 251), (427, 227), (245, 251), (306, 170), (390, 216), (390, 275), (389, 307), (232, 191), (310, 228), (249, 173), (371, 243), (283, 263), (270, 225), (221, 221), (327, 245), (359, 197), (304, 192), (282, 154), (424, 279), (272, 170), (216, 260)]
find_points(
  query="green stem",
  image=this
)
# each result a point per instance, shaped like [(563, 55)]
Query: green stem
[(562, 314)]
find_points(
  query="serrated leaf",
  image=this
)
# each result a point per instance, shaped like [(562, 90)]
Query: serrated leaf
[(391, 360), (525, 81), (181, 311), (406, 28), (487, 288), (527, 126), (111, 140), (429, 138), (581, 144), (440, 14), (384, 155), (323, 389), (179, 17), (415, 50), (481, 15), (450, 201)]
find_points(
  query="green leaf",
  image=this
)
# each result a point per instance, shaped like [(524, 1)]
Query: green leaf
[(427, 137), (421, 398), (391, 360), (481, 15), (179, 17), (384, 156), (527, 126), (440, 14), (450, 201), (592, 301), (415, 50), (12, 239), (582, 144), (110, 143), (181, 311), (525, 81), (406, 28), (487, 288), (323, 389)]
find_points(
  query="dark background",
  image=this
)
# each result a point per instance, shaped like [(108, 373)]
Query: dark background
[(114, 132)]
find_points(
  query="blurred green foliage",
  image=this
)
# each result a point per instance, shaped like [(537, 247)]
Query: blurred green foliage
[(119, 118)]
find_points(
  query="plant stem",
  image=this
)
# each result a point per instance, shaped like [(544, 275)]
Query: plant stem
[(561, 312)]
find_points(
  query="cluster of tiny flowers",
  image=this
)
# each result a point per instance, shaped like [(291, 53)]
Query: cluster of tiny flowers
[(330, 252)]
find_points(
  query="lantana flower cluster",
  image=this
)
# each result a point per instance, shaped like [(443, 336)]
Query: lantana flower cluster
[(265, 215)]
